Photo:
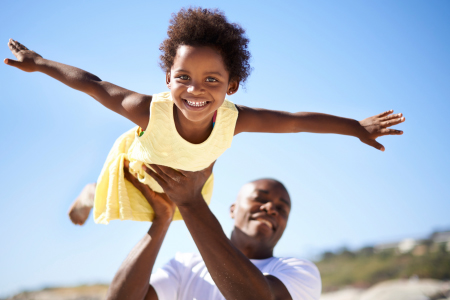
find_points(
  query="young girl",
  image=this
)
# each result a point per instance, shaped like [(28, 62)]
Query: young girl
[(205, 58)]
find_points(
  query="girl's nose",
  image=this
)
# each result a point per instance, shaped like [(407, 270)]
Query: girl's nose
[(195, 89)]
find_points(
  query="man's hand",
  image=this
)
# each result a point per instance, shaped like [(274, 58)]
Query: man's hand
[(182, 187), (163, 207), (377, 126), (26, 59)]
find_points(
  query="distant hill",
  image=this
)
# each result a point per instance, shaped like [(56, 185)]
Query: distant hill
[(410, 289), (391, 269), (367, 267), (84, 292)]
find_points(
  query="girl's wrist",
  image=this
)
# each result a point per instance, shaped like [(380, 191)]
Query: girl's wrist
[(40, 62), (361, 132), (357, 130)]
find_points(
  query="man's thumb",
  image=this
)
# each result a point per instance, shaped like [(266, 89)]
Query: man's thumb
[(11, 62)]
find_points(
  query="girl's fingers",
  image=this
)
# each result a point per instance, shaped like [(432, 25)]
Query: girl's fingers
[(393, 116), (16, 46), (374, 144), (12, 47), (388, 112), (21, 47), (390, 131), (11, 62), (392, 122)]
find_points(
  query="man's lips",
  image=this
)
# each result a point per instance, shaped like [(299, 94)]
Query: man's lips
[(266, 221)]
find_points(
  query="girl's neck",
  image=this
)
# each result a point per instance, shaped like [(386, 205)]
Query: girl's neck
[(193, 132)]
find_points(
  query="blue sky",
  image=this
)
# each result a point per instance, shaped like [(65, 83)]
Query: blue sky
[(348, 58)]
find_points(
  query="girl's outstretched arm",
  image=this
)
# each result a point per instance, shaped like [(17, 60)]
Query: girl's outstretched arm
[(367, 130), (131, 105)]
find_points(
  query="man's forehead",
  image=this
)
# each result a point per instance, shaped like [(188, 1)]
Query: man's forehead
[(269, 193), (265, 187)]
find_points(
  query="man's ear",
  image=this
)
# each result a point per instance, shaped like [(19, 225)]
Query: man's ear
[(168, 79), (233, 87), (232, 208)]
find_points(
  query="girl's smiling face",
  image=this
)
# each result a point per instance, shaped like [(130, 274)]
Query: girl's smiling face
[(199, 82)]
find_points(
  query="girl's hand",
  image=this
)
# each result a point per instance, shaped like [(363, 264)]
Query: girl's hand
[(377, 126), (182, 187), (163, 207), (26, 59)]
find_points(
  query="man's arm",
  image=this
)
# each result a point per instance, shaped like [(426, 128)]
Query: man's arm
[(131, 105), (234, 274), (367, 130), (132, 279)]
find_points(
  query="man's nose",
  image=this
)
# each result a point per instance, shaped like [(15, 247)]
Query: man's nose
[(195, 88), (269, 208)]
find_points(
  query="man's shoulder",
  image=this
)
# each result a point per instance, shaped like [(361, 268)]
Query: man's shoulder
[(188, 259), (275, 262), (289, 267), (299, 264), (300, 276), (294, 261)]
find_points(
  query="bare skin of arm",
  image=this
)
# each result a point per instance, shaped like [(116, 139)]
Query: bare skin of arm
[(234, 274), (131, 105), (132, 279), (367, 130)]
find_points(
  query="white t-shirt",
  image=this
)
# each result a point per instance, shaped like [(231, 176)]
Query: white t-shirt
[(186, 277)]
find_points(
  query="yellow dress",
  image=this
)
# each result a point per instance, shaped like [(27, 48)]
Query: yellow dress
[(116, 198)]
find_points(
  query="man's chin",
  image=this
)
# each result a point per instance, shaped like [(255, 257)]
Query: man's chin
[(261, 234), (257, 234)]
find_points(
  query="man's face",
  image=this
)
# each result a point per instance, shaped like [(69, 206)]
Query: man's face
[(261, 211)]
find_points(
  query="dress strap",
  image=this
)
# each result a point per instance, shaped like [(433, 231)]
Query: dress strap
[(214, 118)]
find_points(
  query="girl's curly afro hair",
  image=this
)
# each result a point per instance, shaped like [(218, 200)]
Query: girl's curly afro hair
[(207, 27)]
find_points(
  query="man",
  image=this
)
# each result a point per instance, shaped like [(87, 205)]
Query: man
[(242, 267)]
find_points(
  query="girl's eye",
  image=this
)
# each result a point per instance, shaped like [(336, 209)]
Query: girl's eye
[(183, 77), (211, 79)]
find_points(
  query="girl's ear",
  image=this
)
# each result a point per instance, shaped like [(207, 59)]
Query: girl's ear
[(168, 79), (232, 207), (233, 87)]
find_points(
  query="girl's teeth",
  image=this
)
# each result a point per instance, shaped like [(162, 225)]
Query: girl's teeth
[(196, 104)]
